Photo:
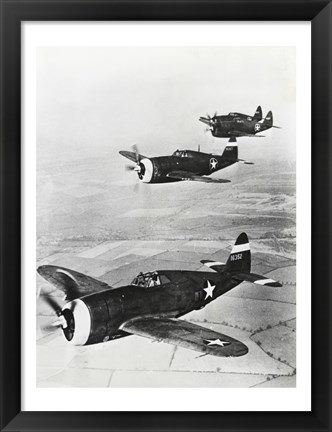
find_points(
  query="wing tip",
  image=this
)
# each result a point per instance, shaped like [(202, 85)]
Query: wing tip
[(275, 284), (219, 180), (45, 269), (268, 282), (239, 349)]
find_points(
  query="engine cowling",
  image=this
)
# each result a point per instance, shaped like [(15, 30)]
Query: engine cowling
[(146, 173), (92, 319), (78, 318)]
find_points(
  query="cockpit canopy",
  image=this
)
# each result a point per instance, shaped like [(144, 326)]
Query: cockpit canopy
[(180, 153), (150, 279)]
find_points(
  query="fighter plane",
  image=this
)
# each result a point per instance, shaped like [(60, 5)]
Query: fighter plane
[(182, 165), (236, 124), (152, 303)]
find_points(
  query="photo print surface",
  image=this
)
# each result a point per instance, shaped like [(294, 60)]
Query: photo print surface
[(166, 217)]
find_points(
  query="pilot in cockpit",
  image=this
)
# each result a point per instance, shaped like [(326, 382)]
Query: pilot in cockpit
[(153, 280), (140, 279)]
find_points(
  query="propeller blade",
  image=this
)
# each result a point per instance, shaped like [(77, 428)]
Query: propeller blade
[(50, 328), (129, 168), (135, 150), (61, 322), (53, 304)]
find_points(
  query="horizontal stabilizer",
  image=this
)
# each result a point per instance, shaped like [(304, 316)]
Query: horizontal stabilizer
[(184, 175), (244, 162), (214, 265), (256, 279)]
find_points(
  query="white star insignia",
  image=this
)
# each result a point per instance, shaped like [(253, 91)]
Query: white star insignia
[(209, 290), (213, 163), (217, 342), (257, 127)]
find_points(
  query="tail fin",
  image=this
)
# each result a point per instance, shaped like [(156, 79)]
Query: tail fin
[(239, 265), (258, 114), (240, 257), (268, 121), (230, 153)]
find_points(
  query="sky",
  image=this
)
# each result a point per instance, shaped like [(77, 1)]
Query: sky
[(99, 100)]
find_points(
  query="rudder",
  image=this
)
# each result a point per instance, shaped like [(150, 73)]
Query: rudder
[(268, 121), (240, 257), (258, 114), (230, 153)]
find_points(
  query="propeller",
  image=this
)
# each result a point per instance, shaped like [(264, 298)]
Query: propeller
[(213, 118), (139, 168), (135, 150), (53, 304), (212, 122)]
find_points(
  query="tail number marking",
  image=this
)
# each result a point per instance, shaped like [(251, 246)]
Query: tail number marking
[(236, 257)]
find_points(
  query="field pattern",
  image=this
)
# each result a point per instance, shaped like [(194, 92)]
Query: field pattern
[(96, 222)]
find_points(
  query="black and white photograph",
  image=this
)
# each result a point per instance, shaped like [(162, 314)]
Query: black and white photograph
[(166, 216)]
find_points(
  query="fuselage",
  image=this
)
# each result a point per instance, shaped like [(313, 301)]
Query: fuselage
[(236, 124), (155, 169), (98, 317)]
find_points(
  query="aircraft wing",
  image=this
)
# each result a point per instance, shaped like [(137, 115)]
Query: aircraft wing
[(244, 134), (185, 175), (131, 155), (186, 335), (72, 283)]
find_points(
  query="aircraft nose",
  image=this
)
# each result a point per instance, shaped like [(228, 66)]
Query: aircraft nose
[(146, 175)]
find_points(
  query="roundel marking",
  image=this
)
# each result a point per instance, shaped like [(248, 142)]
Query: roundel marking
[(213, 164), (257, 127)]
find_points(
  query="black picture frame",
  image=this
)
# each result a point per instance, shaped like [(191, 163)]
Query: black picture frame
[(13, 12)]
